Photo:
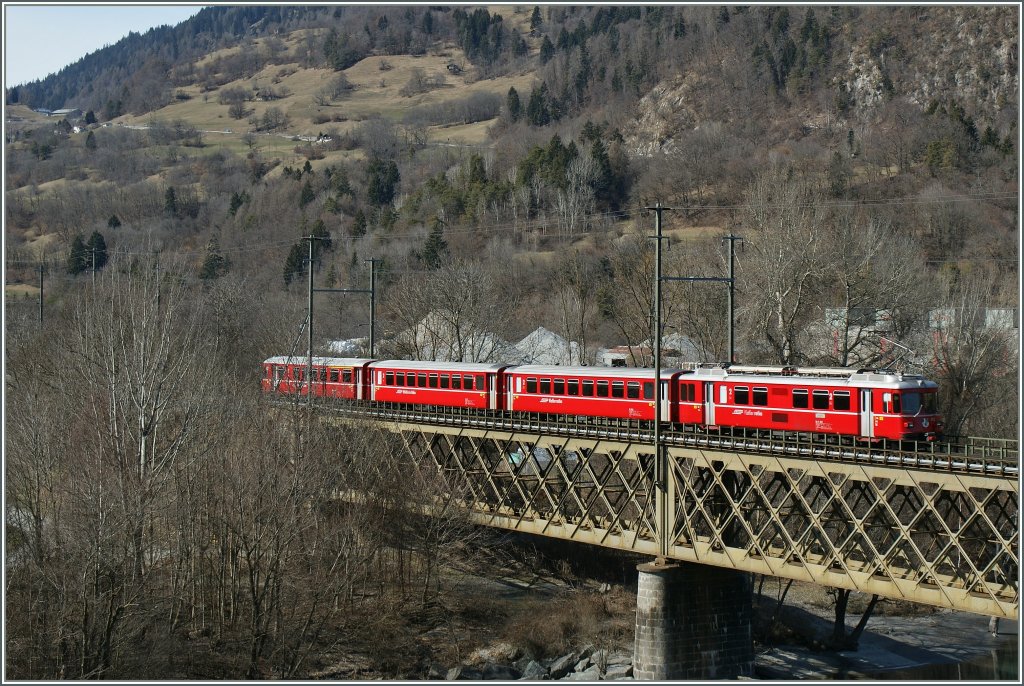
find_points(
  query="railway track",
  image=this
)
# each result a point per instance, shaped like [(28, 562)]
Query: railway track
[(969, 455)]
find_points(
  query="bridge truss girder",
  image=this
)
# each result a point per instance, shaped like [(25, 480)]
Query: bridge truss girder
[(940, 538)]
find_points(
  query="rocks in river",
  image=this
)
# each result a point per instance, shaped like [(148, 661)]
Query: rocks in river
[(586, 664)]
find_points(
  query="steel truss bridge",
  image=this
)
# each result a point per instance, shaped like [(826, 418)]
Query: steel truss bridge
[(935, 524)]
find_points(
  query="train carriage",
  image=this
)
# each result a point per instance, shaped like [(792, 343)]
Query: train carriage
[(623, 393), (868, 404), (332, 377), (448, 384)]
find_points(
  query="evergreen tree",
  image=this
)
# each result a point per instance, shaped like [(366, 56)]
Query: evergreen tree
[(76, 263), (90, 141), (324, 243), (113, 222), (293, 263), (515, 108), (171, 202), (382, 181), (538, 110), (547, 50), (90, 118), (307, 195), (359, 224), (215, 265), (535, 20), (436, 248), (96, 250)]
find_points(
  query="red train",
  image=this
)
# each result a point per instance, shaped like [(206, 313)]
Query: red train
[(864, 404)]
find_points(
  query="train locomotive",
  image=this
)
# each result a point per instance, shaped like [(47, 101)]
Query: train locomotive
[(865, 404)]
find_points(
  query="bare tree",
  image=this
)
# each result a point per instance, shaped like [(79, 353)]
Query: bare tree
[(785, 262)]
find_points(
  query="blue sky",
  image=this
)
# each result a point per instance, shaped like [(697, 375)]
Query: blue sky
[(41, 39)]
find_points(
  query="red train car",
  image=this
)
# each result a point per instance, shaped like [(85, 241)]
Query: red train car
[(332, 377), (866, 404), (448, 384), (624, 393)]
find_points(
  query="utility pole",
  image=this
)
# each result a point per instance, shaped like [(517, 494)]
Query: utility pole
[(40, 294), (373, 303), (732, 294), (93, 251), (660, 467)]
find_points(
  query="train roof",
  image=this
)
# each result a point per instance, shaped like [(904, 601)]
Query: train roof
[(428, 365), (319, 361), (606, 372), (818, 376)]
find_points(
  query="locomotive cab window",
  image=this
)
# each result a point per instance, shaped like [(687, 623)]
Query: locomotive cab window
[(648, 390), (741, 395), (531, 385), (559, 386), (633, 390), (761, 395), (819, 400), (602, 389), (588, 388), (799, 397), (841, 400)]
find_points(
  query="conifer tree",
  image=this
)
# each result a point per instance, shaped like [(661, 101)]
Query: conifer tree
[(215, 265), (96, 251), (76, 263), (436, 248)]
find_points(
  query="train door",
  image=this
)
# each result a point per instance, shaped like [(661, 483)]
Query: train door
[(709, 401), (666, 405), (867, 425)]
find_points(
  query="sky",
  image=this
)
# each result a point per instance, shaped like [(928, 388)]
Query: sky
[(42, 38)]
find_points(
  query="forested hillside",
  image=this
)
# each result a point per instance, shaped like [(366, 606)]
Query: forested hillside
[(496, 163)]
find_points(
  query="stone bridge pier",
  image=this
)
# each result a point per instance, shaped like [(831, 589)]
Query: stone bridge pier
[(693, 622)]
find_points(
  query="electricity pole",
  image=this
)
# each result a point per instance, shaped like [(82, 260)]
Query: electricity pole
[(309, 315), (372, 291), (732, 290), (40, 294), (660, 468)]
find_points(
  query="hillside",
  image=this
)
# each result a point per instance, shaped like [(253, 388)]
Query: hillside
[(526, 141)]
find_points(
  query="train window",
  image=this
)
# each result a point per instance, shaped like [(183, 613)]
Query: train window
[(602, 389), (444, 381), (334, 376), (819, 400), (346, 376), (299, 374), (400, 379), (410, 378), (691, 393), (433, 380), (457, 382), (588, 388), (467, 382), (558, 386), (633, 390), (799, 397), (531, 385), (480, 385), (760, 395), (648, 390), (841, 400), (421, 380), (545, 386), (896, 403), (618, 389), (741, 395), (928, 403), (389, 378), (323, 374), (573, 386)]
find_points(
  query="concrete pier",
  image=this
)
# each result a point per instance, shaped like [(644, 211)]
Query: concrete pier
[(692, 622)]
